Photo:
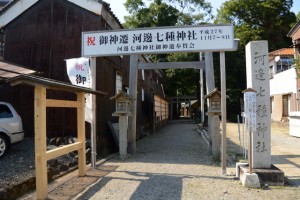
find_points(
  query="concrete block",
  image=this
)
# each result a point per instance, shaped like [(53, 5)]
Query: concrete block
[(238, 167), (272, 176), (250, 180)]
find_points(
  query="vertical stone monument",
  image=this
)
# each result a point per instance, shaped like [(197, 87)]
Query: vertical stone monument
[(260, 171), (257, 65)]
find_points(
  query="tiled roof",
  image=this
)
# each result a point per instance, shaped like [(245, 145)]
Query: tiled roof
[(282, 52), (105, 4)]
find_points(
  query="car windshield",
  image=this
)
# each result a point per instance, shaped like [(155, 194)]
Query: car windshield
[(5, 112)]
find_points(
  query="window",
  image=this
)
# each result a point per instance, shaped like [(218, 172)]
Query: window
[(284, 64), (5, 112), (285, 105), (119, 83), (216, 105)]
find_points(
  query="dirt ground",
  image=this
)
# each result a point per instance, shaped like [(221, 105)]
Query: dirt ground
[(285, 149), (285, 155)]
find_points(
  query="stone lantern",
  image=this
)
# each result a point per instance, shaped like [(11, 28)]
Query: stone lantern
[(214, 111), (214, 98), (123, 103)]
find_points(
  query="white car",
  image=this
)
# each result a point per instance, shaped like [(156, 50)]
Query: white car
[(11, 128)]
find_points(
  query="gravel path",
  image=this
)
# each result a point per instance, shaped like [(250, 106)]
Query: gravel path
[(174, 164), (17, 165)]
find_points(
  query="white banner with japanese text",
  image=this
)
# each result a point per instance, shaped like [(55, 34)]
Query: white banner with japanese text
[(79, 73), (158, 40), (250, 110)]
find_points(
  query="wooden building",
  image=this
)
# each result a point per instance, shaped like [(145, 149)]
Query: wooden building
[(40, 35)]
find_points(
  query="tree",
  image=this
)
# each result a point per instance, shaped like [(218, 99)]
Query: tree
[(298, 16), (181, 82), (166, 13), (171, 13), (297, 66), (157, 14), (253, 20), (259, 20)]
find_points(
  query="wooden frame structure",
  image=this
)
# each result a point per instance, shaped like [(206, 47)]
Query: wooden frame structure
[(40, 104)]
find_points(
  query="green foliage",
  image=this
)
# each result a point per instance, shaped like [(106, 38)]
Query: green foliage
[(253, 20), (171, 13), (181, 82), (166, 13), (259, 20), (298, 16), (296, 62), (157, 14)]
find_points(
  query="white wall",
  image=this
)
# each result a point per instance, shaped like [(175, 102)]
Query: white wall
[(284, 82)]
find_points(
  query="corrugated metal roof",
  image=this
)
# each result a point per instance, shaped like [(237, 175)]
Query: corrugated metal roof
[(282, 52), (8, 70)]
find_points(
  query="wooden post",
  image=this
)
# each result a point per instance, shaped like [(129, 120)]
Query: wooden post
[(223, 110), (132, 92), (81, 134), (202, 96), (40, 142), (94, 108)]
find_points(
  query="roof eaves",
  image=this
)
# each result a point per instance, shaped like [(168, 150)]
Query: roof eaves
[(25, 5), (283, 51), (107, 6), (295, 27), (51, 84)]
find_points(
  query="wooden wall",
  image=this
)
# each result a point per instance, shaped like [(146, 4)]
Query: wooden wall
[(41, 39)]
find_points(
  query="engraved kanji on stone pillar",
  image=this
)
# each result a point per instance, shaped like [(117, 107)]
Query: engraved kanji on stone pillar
[(257, 65)]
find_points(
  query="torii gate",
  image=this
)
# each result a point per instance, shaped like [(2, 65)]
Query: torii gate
[(205, 38)]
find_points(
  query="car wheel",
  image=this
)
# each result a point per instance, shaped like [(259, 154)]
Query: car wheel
[(3, 146)]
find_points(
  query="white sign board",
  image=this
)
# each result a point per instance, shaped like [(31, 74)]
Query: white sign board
[(79, 73), (158, 40), (250, 110)]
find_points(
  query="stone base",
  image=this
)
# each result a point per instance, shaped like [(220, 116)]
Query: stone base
[(250, 180), (272, 176)]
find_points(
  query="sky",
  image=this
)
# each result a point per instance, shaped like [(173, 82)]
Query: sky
[(117, 7)]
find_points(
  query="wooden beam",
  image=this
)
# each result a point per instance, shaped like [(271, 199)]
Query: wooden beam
[(40, 142), (172, 65), (54, 153), (62, 103)]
